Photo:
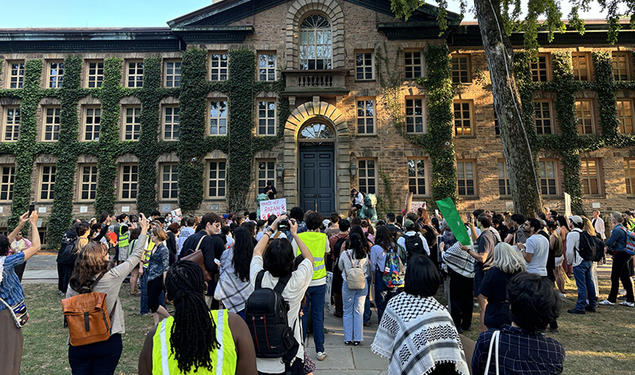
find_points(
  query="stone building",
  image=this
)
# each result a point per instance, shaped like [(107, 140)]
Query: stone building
[(331, 78)]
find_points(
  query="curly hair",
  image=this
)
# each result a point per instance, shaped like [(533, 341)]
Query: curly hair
[(193, 335), (90, 263)]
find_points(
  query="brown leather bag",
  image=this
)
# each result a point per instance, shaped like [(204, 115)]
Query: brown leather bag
[(197, 257), (87, 317)]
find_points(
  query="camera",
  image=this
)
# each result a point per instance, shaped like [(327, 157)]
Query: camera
[(283, 225)]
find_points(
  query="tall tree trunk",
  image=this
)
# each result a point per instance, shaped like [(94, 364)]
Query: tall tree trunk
[(521, 164)]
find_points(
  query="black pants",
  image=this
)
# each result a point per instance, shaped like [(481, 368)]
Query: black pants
[(100, 358), (621, 271), (64, 272), (461, 295), (336, 291), (155, 287), (19, 270)]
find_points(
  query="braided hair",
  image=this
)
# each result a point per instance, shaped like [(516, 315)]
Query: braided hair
[(193, 335)]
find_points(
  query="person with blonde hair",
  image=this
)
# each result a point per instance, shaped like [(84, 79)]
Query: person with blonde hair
[(506, 262), (590, 229)]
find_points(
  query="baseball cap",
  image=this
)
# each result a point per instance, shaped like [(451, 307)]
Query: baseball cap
[(576, 219)]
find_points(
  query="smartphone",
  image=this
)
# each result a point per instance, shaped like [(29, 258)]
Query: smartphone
[(31, 208)]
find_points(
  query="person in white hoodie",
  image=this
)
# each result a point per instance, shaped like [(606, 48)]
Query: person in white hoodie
[(581, 270)]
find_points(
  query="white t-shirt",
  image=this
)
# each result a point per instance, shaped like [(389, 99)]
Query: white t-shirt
[(538, 245), (293, 294), (402, 241)]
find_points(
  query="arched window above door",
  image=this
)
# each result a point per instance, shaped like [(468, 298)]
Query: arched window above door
[(316, 43), (317, 131)]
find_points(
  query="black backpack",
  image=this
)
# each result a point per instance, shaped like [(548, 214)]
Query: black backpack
[(68, 252), (266, 315), (414, 245), (590, 247)]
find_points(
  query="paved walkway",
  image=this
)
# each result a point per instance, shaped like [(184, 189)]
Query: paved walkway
[(341, 359)]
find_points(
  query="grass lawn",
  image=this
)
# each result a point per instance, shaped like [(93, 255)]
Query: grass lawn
[(598, 344)]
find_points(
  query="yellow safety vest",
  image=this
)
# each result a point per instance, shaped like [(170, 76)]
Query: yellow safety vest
[(148, 252), (164, 363), (122, 239), (316, 242)]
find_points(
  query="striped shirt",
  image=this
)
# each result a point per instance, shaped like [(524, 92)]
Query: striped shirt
[(10, 288)]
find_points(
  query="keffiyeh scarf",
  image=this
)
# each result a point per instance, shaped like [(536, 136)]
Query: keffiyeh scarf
[(416, 334), (459, 261), (2, 267)]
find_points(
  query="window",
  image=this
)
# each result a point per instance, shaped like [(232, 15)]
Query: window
[(365, 116), (542, 116), (629, 174), (172, 74), (417, 176), (47, 182), (135, 74), (88, 185), (366, 177), (169, 181), (497, 126), (316, 45), (56, 74), (462, 119), (461, 69), (621, 66), (11, 129), (267, 117), (131, 123), (171, 127), (16, 74), (218, 66), (414, 64), (547, 174), (266, 67), (95, 74), (216, 179), (218, 117), (581, 66), (584, 115), (625, 115), (92, 122), (51, 128), (590, 176), (415, 120), (266, 173), (129, 182), (465, 178), (503, 179), (364, 66), (7, 178), (539, 69)]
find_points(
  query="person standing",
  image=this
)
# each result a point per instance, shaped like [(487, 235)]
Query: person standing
[(384, 245), (337, 243), (157, 267), (354, 257), (186, 231), (616, 246), (173, 233), (18, 245), (598, 224), (270, 190), (581, 270)]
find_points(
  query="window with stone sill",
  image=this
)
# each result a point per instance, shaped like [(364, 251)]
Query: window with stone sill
[(216, 174), (415, 116), (417, 176), (131, 123), (219, 66), (463, 118), (621, 65), (56, 74), (460, 69), (171, 123), (542, 117), (629, 174), (465, 178), (316, 43), (169, 188), (364, 66), (548, 176), (585, 116), (266, 174), (16, 74), (95, 74), (52, 122), (7, 179), (134, 74), (365, 116), (590, 177), (503, 179), (266, 117), (581, 66), (625, 116), (413, 61), (88, 182), (267, 67), (217, 117), (172, 74), (366, 176), (129, 181), (47, 182), (10, 131), (540, 68), (91, 124)]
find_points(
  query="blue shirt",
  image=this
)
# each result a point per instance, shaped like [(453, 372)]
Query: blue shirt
[(159, 262), (617, 241), (377, 258), (185, 233), (10, 289)]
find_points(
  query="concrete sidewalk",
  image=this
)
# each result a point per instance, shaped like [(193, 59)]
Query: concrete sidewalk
[(40, 269)]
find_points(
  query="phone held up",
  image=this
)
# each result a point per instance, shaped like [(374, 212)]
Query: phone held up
[(31, 208)]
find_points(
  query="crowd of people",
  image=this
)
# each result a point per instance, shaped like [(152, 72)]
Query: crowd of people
[(245, 293)]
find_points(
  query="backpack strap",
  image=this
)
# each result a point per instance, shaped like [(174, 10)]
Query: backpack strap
[(199, 242), (96, 281), (282, 283), (259, 279)]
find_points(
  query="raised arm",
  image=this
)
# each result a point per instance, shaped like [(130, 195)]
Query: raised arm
[(303, 249), (23, 220), (35, 243)]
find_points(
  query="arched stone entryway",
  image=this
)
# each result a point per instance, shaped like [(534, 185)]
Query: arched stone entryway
[(308, 113)]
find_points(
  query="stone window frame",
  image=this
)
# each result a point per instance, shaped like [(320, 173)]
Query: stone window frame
[(463, 69), (541, 70), (173, 124), (581, 126), (503, 178), (96, 78), (623, 127), (462, 175), (15, 76), (364, 66), (7, 181), (414, 162), (543, 176), (621, 63), (135, 132), (57, 114), (587, 177), (12, 135), (365, 118), (365, 182), (126, 182), (133, 73), (269, 173), (268, 119), (47, 170), (89, 187), (410, 68), (539, 106), (84, 124), (413, 116), (581, 73), (208, 128), (172, 80), (54, 81), (462, 120), (267, 70), (629, 176), (218, 180), (173, 174), (216, 73)]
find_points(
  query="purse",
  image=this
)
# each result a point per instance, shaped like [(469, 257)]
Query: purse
[(493, 346), (197, 257), (18, 312)]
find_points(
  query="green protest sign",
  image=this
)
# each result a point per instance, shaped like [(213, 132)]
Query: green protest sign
[(452, 217)]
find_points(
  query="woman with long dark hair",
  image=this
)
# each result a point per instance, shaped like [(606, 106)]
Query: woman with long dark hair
[(233, 287), (196, 340), (93, 272), (354, 257), (157, 268), (384, 245)]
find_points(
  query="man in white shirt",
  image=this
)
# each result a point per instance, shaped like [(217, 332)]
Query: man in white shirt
[(410, 227), (598, 224), (581, 269), (536, 249)]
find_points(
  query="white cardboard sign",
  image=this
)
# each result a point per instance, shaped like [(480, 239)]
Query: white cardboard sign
[(273, 207), (415, 205)]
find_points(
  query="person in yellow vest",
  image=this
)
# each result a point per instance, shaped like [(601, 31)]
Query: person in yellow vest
[(195, 339), (318, 244), (122, 229), (143, 268)]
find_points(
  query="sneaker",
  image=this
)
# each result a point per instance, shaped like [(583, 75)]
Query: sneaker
[(356, 343), (348, 343), (321, 356), (627, 304), (588, 308), (622, 297), (606, 302), (574, 311)]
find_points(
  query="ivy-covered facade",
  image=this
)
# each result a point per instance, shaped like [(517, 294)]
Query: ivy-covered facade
[(317, 96)]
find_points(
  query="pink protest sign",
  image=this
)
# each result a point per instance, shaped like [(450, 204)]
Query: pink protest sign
[(273, 207)]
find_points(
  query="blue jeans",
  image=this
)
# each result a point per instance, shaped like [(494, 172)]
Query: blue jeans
[(315, 305), (143, 302), (353, 312), (380, 294), (367, 312), (584, 282)]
